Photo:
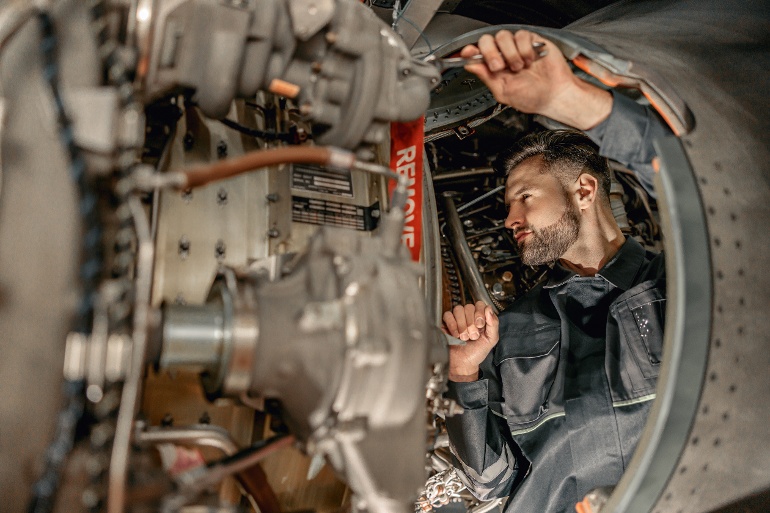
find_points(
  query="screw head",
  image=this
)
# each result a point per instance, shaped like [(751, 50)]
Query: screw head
[(221, 149), (184, 247), (220, 249)]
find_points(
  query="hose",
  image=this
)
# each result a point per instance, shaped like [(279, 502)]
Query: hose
[(319, 155)]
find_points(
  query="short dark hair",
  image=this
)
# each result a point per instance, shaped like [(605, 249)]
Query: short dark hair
[(567, 154)]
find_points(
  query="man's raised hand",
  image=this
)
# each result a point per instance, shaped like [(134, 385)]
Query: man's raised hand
[(477, 325), (517, 76)]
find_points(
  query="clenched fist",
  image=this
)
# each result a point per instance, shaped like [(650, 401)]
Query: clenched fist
[(477, 325)]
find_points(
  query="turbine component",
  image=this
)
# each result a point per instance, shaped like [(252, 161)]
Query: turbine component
[(349, 73), (341, 340)]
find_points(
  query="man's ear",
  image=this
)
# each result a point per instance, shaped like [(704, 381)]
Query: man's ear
[(588, 189)]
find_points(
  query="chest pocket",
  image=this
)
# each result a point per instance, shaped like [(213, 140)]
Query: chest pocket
[(527, 364), (641, 318)]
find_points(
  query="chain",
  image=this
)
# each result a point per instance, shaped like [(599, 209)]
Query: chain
[(119, 76), (440, 489), (45, 488)]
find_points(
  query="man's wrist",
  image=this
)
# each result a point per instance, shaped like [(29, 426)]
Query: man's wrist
[(464, 375), (580, 105)]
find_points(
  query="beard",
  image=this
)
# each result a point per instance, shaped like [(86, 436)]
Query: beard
[(547, 245)]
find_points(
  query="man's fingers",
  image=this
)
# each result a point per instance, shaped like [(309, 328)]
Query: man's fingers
[(451, 324), (493, 325), (470, 322), (523, 40), (462, 327), (469, 51), (479, 314), (506, 43), (492, 56)]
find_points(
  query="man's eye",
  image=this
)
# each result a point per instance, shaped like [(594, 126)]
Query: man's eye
[(525, 196)]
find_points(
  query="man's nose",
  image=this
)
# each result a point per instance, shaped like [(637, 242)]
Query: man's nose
[(514, 218)]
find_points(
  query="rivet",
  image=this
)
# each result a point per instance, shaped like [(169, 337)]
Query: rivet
[(222, 197), (221, 149)]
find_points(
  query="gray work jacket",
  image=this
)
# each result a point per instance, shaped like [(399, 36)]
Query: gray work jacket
[(563, 397)]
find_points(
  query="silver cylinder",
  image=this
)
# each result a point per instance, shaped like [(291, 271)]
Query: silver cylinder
[(193, 337)]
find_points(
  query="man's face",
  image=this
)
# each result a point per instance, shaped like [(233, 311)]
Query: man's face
[(544, 219)]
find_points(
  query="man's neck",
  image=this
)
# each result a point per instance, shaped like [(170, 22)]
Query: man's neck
[(598, 242)]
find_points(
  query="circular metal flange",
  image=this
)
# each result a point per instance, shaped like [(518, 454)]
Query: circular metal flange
[(240, 332), (460, 96)]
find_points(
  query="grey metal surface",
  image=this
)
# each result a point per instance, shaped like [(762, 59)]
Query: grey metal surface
[(721, 74), (221, 223), (413, 19), (686, 337), (431, 247)]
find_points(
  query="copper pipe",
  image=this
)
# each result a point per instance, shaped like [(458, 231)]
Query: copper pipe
[(253, 479), (254, 482), (320, 155), (199, 478)]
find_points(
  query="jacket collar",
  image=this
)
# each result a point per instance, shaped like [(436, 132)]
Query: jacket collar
[(620, 271)]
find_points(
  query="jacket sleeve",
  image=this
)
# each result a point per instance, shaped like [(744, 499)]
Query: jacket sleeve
[(627, 136), (483, 457)]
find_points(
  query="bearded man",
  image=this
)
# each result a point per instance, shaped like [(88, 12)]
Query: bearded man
[(558, 388)]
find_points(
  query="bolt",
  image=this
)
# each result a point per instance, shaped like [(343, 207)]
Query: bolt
[(221, 149), (188, 141), (219, 249), (468, 223), (331, 37), (273, 197), (90, 498), (184, 247), (222, 197), (507, 276), (167, 420), (273, 233), (497, 288), (406, 72), (94, 467), (375, 214)]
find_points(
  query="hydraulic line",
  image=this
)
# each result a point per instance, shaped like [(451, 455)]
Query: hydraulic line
[(467, 263), (319, 155), (194, 481)]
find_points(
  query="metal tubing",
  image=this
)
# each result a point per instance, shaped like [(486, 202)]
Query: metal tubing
[(116, 492), (468, 173), (202, 477), (206, 436), (468, 266)]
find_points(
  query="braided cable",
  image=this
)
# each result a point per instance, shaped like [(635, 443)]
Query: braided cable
[(45, 488)]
